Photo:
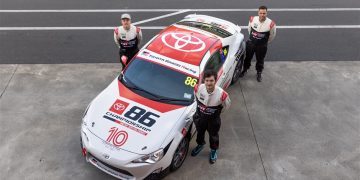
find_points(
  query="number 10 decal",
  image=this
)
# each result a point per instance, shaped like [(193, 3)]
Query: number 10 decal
[(118, 138)]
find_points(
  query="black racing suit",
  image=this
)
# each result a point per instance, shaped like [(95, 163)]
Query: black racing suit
[(207, 116), (208, 119)]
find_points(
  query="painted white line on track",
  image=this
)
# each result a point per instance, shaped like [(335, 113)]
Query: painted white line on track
[(320, 27), (160, 17), (167, 10), (69, 28), (162, 27)]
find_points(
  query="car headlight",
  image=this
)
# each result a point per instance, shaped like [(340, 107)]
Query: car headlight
[(151, 158)]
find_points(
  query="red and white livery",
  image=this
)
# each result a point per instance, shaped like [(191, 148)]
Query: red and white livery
[(141, 124)]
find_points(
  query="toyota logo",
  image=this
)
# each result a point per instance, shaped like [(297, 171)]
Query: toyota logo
[(183, 42), (119, 106)]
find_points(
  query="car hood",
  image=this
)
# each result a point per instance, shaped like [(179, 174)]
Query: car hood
[(131, 122)]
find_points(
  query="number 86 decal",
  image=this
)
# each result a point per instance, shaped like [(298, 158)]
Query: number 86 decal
[(118, 138)]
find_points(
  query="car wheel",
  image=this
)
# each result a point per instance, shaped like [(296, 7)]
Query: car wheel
[(180, 154), (237, 71)]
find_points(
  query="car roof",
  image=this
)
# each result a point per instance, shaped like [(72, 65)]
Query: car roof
[(183, 44)]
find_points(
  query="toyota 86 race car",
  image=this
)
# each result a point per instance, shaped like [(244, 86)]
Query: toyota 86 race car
[(141, 124)]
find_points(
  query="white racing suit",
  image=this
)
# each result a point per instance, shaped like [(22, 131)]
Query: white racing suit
[(207, 116), (260, 34), (128, 42)]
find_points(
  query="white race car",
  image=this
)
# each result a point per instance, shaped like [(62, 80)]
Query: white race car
[(141, 124)]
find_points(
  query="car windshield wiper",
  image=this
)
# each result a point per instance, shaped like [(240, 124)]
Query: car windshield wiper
[(173, 100), (147, 92)]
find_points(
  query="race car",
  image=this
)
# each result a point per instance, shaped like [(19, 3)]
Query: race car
[(140, 126)]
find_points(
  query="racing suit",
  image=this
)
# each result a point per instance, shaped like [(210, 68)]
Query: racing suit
[(128, 42), (261, 33), (207, 116)]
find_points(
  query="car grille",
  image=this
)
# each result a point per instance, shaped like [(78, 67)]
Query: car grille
[(112, 167)]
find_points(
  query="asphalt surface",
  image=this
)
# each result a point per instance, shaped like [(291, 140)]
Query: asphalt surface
[(302, 122), (97, 46)]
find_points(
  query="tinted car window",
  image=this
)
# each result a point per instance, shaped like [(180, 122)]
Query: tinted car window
[(212, 28), (159, 83), (214, 62)]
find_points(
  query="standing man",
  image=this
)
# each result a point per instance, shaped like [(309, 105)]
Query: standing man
[(127, 37), (210, 100), (262, 31)]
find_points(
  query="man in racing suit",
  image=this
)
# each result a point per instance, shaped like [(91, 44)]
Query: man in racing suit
[(262, 31), (127, 37), (211, 100)]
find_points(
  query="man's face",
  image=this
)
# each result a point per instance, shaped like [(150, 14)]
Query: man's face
[(262, 14), (210, 83), (126, 23)]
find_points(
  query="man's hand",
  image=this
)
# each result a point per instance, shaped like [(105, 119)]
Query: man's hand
[(124, 59)]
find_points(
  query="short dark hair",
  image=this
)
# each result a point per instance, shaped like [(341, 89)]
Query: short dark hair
[(210, 73), (263, 7)]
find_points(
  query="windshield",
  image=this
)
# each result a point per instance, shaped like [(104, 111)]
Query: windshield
[(159, 83), (212, 28)]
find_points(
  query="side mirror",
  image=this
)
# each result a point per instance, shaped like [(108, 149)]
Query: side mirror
[(120, 76)]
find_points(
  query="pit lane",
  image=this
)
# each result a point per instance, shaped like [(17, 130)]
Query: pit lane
[(301, 122)]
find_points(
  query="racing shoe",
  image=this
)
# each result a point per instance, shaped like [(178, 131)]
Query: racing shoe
[(258, 77), (243, 72), (197, 150), (213, 156)]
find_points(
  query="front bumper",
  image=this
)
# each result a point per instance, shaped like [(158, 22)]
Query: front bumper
[(111, 160)]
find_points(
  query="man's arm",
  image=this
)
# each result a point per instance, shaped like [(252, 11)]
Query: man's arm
[(116, 32), (249, 25), (272, 31), (196, 90), (139, 36), (226, 102)]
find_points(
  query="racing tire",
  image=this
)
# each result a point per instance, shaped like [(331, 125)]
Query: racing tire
[(238, 69), (180, 154)]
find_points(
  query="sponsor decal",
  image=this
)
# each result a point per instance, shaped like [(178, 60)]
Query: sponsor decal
[(223, 53), (119, 106), (257, 35), (183, 42), (128, 44), (207, 110), (187, 96), (172, 63), (136, 118)]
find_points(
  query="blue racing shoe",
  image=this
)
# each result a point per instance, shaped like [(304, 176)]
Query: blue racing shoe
[(213, 156), (197, 150)]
